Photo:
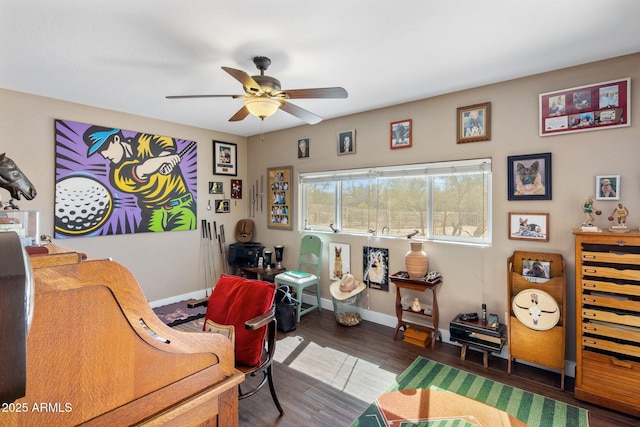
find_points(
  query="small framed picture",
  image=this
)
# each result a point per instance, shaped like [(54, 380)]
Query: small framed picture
[(303, 148), (529, 177), (236, 189), (375, 267), (474, 123), (280, 197), (225, 158), (529, 226), (222, 205), (339, 260), (215, 188), (347, 142), (607, 187), (400, 134)]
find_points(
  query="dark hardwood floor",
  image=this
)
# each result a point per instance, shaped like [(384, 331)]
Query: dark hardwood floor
[(308, 401)]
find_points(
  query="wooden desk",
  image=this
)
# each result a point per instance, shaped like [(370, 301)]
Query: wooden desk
[(98, 355), (433, 315)]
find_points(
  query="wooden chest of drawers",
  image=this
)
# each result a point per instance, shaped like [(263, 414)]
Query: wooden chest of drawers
[(608, 320)]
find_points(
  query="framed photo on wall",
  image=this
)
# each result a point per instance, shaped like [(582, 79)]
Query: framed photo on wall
[(474, 123), (529, 226), (225, 158), (401, 134), (339, 260), (236, 189), (375, 267), (607, 187), (222, 205), (303, 147), (602, 105), (216, 187), (529, 177), (347, 142), (279, 196)]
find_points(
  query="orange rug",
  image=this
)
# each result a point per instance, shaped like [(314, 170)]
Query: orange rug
[(428, 405)]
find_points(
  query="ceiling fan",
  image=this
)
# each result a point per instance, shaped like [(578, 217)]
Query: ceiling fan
[(264, 95)]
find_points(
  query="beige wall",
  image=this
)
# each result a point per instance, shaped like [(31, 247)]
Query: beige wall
[(167, 264), (472, 274)]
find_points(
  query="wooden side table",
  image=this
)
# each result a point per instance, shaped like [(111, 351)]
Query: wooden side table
[(422, 286), (263, 274)]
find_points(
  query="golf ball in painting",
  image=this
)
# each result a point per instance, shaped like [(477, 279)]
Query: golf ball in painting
[(82, 205)]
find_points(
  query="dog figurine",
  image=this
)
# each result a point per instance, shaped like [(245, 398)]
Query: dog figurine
[(529, 179), (337, 263)]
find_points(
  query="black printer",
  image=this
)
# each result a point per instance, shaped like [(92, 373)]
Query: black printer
[(245, 254)]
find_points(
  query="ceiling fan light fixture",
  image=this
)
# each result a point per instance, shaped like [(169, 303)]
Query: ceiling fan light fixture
[(262, 107)]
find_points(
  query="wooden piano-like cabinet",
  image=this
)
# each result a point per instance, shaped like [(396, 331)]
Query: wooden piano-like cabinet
[(98, 355), (608, 319)]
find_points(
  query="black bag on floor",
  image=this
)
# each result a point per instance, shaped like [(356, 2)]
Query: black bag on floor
[(285, 309)]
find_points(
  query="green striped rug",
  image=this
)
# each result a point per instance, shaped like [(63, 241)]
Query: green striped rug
[(531, 408)]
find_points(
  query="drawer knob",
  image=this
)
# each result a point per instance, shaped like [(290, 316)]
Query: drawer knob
[(586, 313), (588, 300)]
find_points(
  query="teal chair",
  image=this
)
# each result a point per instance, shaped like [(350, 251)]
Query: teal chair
[(307, 275)]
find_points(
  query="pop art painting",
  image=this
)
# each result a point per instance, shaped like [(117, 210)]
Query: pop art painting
[(114, 181)]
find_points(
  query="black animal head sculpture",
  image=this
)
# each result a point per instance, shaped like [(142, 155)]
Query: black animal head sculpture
[(14, 180)]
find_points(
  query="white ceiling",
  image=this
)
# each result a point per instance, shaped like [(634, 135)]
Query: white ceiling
[(126, 55)]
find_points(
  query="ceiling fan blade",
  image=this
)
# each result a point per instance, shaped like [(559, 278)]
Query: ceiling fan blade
[(244, 78), (240, 114), (203, 96), (300, 113), (320, 92)]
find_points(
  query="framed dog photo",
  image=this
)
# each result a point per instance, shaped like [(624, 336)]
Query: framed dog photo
[(400, 134), (375, 267), (529, 226), (474, 123), (339, 260), (529, 177), (607, 187)]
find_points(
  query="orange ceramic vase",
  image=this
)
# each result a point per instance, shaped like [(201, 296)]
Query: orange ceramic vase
[(417, 261)]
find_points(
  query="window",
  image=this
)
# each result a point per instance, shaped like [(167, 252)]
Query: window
[(441, 201)]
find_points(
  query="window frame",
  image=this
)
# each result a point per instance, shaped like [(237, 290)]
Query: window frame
[(429, 170)]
